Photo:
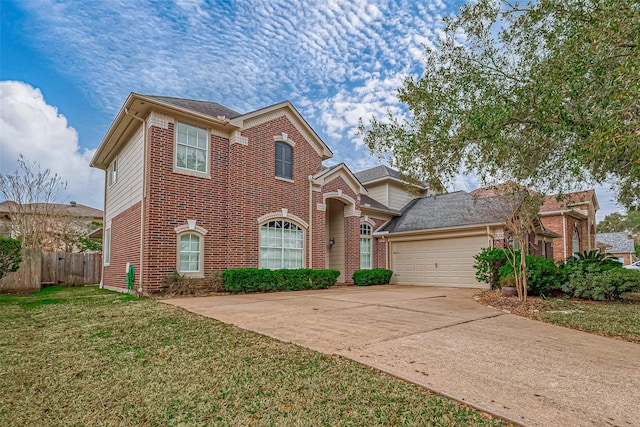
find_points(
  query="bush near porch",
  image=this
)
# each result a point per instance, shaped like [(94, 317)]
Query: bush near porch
[(265, 280), (376, 276)]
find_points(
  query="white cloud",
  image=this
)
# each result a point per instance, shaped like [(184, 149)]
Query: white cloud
[(31, 127)]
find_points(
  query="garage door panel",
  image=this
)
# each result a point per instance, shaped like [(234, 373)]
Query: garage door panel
[(441, 262)]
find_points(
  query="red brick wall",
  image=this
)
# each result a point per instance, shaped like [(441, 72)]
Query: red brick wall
[(173, 198), (554, 223), (255, 191), (125, 247), (379, 246), (319, 242), (242, 188)]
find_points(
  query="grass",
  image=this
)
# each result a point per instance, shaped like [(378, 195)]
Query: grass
[(620, 319), (84, 356)]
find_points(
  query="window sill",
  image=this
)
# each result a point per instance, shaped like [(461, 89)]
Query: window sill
[(279, 178), (192, 274), (189, 172)]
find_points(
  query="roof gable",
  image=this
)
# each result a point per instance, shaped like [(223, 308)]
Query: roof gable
[(287, 109), (339, 170)]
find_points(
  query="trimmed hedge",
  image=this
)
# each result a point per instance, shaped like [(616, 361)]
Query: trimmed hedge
[(265, 280), (376, 276)]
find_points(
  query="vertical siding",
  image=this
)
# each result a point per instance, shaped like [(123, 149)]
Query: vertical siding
[(127, 191)]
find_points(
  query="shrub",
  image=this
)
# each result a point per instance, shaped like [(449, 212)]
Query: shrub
[(10, 255), (376, 276), (542, 274), (260, 279), (593, 283), (487, 265), (178, 284)]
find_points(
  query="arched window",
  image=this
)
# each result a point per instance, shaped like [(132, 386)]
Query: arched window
[(365, 246), (281, 245), (575, 241), (190, 254)]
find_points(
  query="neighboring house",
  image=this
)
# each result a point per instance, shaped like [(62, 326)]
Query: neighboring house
[(618, 245), (58, 225), (434, 240), (572, 216), (195, 187)]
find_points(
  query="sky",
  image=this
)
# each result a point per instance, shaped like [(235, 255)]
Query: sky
[(66, 68)]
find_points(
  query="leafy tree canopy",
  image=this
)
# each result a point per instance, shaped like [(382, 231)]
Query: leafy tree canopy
[(546, 93), (618, 222)]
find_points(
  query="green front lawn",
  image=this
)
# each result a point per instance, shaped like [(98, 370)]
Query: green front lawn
[(83, 356), (612, 319)]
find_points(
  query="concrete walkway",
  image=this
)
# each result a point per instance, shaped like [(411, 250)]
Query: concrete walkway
[(530, 372)]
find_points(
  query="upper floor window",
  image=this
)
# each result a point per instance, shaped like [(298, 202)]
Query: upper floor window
[(284, 160), (365, 246), (192, 144), (281, 245), (112, 172)]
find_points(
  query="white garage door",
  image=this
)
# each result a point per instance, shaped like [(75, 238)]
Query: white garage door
[(440, 262)]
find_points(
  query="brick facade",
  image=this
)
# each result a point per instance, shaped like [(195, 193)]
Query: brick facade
[(125, 248), (227, 205)]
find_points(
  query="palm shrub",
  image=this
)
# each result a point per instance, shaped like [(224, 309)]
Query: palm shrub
[(487, 264)]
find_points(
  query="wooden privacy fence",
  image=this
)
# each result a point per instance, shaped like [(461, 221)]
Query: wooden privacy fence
[(53, 268), (71, 269)]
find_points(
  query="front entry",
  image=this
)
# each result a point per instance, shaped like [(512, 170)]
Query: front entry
[(335, 244)]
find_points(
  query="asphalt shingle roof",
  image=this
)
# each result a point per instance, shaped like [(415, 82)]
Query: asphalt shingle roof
[(377, 172), (620, 242), (371, 202), (212, 109), (455, 209)]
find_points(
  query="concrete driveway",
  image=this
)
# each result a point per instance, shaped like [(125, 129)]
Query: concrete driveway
[(530, 372)]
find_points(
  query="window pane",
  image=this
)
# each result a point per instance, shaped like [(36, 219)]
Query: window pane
[(281, 244), (191, 147)]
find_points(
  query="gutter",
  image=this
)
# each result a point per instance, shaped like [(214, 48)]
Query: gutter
[(436, 230)]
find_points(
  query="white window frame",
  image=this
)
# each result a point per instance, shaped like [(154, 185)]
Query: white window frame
[(270, 242), (106, 247), (112, 172), (200, 254), (188, 145), (366, 239)]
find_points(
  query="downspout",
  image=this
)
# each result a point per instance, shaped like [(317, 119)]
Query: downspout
[(564, 236), (310, 221), (104, 225), (144, 194)]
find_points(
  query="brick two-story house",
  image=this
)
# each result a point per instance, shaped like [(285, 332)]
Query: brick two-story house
[(195, 187)]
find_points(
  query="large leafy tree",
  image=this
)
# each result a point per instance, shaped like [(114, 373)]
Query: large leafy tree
[(629, 222), (546, 93)]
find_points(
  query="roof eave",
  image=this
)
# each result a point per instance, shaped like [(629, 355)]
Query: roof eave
[(140, 106)]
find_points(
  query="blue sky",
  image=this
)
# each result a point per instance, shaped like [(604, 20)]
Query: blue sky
[(67, 67)]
